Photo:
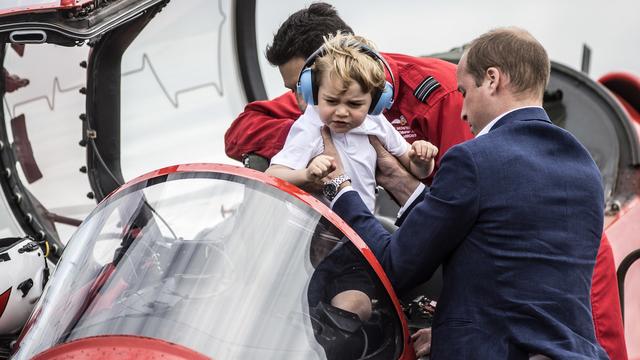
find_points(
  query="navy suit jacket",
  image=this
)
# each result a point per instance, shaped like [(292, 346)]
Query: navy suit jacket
[(515, 217)]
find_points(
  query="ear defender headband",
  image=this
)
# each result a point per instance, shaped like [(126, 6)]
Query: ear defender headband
[(308, 86)]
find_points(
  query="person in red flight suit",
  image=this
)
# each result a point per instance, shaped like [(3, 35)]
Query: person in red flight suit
[(427, 106), (426, 102), (605, 304)]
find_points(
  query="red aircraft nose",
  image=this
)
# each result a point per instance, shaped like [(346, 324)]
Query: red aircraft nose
[(121, 347)]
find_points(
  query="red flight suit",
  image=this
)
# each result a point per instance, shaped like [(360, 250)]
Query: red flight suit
[(605, 304), (426, 106)]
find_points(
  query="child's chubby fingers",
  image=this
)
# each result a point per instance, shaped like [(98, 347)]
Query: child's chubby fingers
[(312, 173), (319, 167), (420, 147), (326, 167), (418, 152), (424, 154), (432, 152), (412, 153), (325, 160), (317, 172), (425, 150)]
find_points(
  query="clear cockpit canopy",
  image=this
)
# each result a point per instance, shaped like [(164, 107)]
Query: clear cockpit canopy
[(223, 264)]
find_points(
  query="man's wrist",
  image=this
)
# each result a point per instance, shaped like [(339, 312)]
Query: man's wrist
[(403, 188), (342, 191), (333, 186), (344, 185), (416, 193)]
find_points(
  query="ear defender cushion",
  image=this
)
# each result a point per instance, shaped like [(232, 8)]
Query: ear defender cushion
[(305, 86), (384, 101)]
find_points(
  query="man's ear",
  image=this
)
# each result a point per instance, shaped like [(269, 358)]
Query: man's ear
[(494, 77)]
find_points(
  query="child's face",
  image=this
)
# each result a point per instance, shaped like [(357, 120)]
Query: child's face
[(341, 110)]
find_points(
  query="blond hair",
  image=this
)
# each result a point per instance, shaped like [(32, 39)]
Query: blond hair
[(515, 52), (347, 57)]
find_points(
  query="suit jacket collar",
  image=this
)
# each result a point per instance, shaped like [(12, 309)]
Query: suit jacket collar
[(524, 114)]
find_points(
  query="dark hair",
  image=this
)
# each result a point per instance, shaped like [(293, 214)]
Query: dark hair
[(514, 51), (302, 33)]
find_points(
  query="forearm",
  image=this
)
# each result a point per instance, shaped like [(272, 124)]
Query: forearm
[(414, 199), (398, 181), (400, 187), (353, 211), (421, 171), (296, 177), (414, 251)]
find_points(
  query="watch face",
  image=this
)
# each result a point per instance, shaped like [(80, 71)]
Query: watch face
[(330, 190)]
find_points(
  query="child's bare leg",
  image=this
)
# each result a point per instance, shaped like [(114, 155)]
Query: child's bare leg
[(354, 301)]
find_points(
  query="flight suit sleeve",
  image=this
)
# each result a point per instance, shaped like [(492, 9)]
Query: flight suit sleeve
[(262, 127)]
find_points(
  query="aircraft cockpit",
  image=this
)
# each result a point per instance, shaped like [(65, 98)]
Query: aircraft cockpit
[(220, 260)]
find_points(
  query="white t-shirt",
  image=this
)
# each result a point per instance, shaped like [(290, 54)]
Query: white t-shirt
[(358, 156)]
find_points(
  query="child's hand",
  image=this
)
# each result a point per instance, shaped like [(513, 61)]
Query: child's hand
[(320, 167), (422, 152)]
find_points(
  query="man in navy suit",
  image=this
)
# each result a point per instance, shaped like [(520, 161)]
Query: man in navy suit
[(515, 216)]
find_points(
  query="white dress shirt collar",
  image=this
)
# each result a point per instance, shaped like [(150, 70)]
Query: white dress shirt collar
[(490, 125)]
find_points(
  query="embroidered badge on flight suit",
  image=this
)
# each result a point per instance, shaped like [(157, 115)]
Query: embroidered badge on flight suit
[(426, 88), (402, 125)]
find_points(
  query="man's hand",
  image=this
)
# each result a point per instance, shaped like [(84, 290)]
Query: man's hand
[(422, 342), (391, 175), (330, 150)]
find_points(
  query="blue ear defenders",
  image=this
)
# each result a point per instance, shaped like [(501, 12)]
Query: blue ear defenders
[(308, 88)]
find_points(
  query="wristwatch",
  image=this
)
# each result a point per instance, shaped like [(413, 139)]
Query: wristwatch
[(330, 188)]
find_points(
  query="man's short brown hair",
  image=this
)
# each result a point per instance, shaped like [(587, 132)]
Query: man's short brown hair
[(516, 53)]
